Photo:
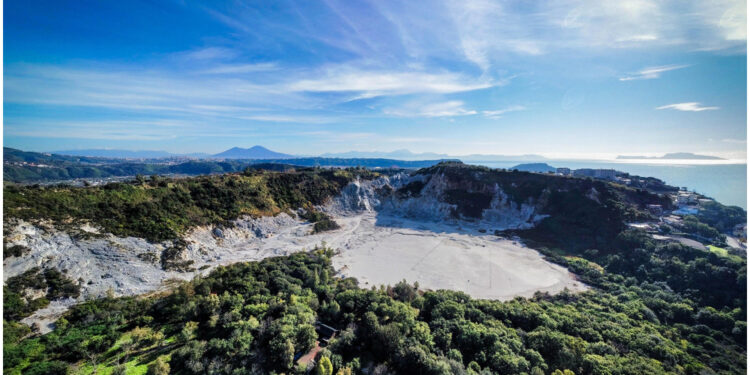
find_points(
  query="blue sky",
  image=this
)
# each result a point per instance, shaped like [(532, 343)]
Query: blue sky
[(559, 78)]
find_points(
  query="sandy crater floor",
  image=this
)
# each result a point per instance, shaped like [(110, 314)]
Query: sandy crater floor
[(376, 248), (441, 256)]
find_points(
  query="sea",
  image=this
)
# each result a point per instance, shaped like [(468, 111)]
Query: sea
[(726, 183)]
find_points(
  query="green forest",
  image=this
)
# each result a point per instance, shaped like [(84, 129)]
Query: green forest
[(259, 317)]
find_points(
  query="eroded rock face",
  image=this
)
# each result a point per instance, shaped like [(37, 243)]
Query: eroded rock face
[(510, 214), (105, 263), (98, 263), (433, 198)]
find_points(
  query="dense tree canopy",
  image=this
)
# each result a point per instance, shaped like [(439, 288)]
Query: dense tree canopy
[(260, 317)]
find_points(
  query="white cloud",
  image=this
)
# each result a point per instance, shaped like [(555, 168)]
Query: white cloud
[(411, 140), (486, 29), (207, 53), (378, 83), (727, 17), (637, 38), (141, 130), (337, 136), (442, 109), (688, 107), (495, 114), (734, 140), (240, 68), (224, 95), (651, 72), (700, 25), (489, 33), (302, 119)]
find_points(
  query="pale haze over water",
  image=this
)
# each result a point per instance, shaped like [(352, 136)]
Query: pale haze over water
[(727, 183)]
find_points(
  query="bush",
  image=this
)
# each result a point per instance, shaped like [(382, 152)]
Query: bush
[(325, 225), (159, 367), (14, 251)]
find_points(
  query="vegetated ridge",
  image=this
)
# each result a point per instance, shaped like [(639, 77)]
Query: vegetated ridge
[(32, 167)]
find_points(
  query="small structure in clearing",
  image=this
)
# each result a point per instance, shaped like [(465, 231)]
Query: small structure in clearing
[(326, 333)]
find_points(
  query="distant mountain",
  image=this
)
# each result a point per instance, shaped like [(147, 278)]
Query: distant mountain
[(673, 156), (535, 167), (408, 155), (124, 154), (255, 152)]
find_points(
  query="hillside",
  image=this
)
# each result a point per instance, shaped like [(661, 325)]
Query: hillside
[(160, 209), (32, 167), (14, 156), (653, 307)]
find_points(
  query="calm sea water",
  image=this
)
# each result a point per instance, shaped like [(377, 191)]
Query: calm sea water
[(727, 183)]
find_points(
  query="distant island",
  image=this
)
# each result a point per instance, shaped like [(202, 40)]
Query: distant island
[(535, 167), (673, 156)]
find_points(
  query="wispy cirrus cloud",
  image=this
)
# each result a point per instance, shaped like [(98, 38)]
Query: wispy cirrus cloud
[(734, 140), (240, 68), (134, 130), (485, 33), (450, 108), (372, 83), (495, 114), (688, 107), (212, 93), (651, 72), (337, 136), (206, 53)]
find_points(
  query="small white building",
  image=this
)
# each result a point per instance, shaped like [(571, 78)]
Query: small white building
[(686, 198)]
